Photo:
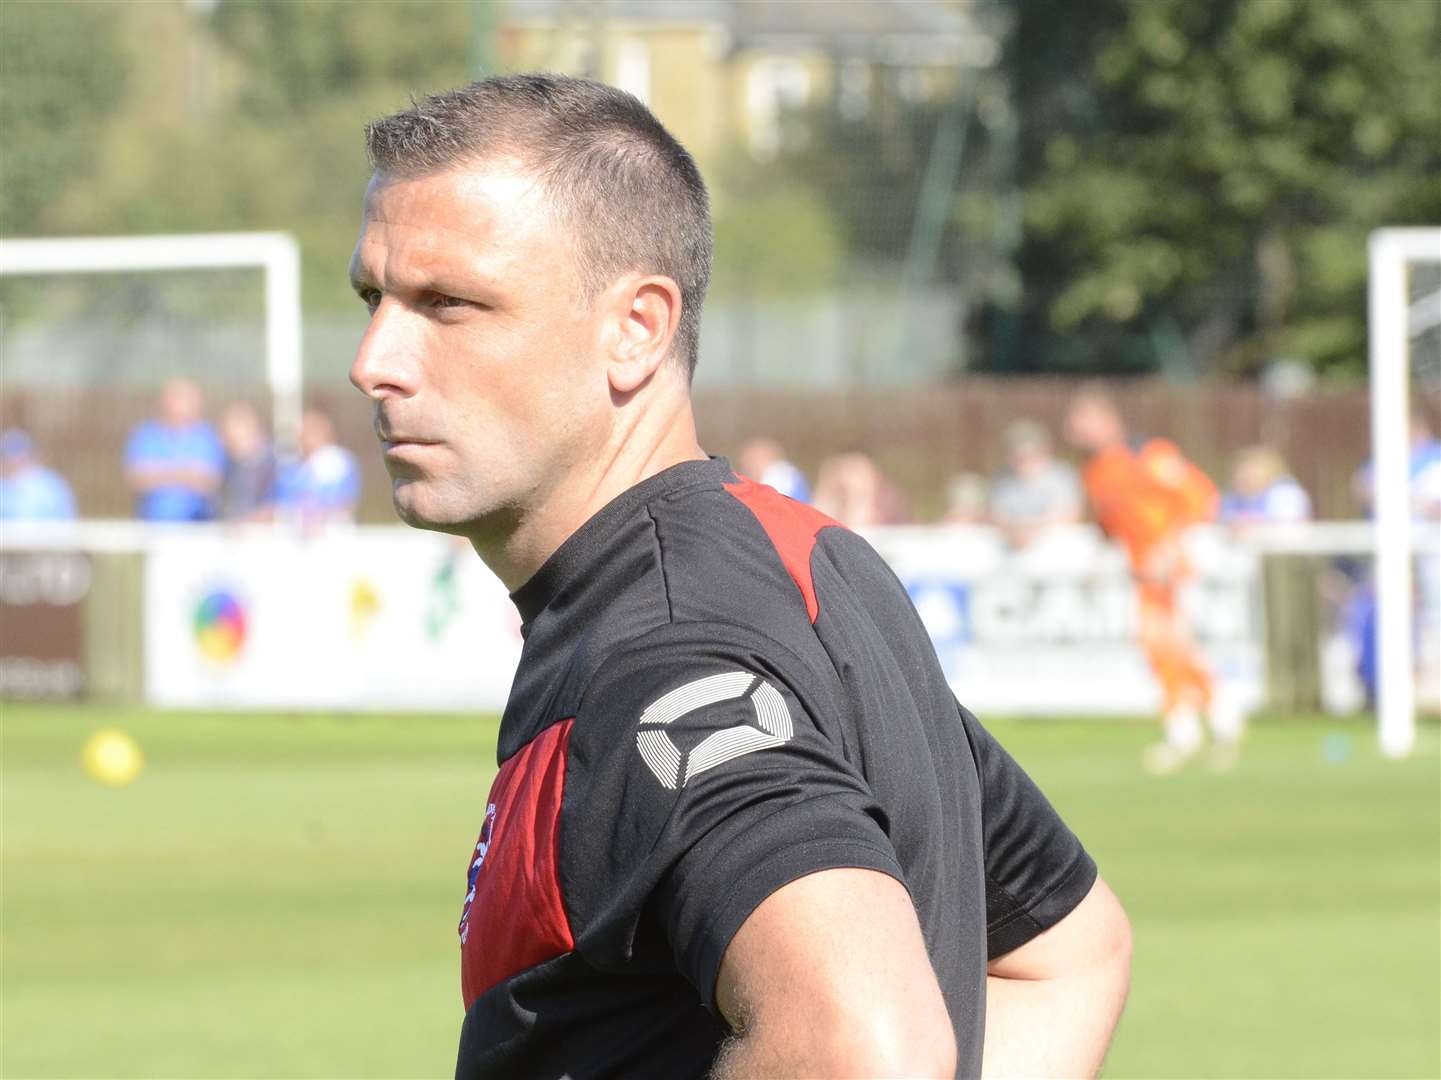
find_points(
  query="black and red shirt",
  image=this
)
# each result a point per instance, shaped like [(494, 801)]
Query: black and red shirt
[(721, 691)]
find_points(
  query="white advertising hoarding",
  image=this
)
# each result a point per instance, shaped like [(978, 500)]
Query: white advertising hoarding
[(1052, 630), (348, 619), (398, 620)]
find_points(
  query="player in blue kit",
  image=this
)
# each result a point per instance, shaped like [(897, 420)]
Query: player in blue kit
[(740, 826)]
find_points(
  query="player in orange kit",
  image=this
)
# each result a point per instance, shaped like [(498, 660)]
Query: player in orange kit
[(1145, 495)]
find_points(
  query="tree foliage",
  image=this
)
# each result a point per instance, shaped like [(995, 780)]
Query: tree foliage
[(55, 100), (245, 116), (1200, 178)]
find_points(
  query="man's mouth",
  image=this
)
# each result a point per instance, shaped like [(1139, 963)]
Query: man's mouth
[(389, 437)]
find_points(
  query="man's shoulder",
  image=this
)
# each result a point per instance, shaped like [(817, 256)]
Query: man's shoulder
[(146, 434), (678, 652), (738, 551), (49, 481)]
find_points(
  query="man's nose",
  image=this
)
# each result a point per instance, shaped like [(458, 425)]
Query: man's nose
[(385, 363)]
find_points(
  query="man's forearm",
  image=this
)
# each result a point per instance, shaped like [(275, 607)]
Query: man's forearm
[(147, 478), (1052, 1027)]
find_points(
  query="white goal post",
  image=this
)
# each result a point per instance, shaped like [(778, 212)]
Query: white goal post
[(1394, 321), (276, 254)]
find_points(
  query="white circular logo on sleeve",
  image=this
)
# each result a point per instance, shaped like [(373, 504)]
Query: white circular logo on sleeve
[(773, 726)]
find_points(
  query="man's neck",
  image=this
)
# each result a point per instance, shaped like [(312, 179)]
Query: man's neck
[(651, 446)]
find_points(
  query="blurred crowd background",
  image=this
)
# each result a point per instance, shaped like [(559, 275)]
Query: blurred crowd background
[(931, 215)]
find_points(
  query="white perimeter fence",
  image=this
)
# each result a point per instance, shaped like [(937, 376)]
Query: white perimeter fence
[(385, 618)]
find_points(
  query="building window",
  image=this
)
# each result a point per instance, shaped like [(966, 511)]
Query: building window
[(632, 68), (774, 85)]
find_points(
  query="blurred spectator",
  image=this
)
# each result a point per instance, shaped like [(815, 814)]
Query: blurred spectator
[(967, 500), (1037, 492), (1359, 612), (1263, 491), (765, 460), (1423, 469), (28, 490), (324, 485), (247, 492), (175, 462), (852, 489)]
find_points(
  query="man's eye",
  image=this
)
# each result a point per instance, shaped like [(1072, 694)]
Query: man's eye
[(443, 301)]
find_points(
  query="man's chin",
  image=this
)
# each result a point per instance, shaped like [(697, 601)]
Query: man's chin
[(412, 510), (418, 520), (422, 507)]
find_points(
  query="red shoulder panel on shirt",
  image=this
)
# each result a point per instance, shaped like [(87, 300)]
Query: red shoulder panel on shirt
[(514, 918), (792, 527)]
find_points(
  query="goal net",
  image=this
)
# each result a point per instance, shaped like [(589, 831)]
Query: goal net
[(91, 329)]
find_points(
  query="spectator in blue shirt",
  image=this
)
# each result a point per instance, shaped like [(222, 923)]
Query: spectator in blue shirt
[(324, 485), (28, 490), (1263, 491), (1423, 471), (175, 462)]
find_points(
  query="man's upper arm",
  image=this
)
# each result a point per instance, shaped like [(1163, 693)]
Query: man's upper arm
[(140, 451), (211, 453), (699, 785), (1092, 936), (830, 974)]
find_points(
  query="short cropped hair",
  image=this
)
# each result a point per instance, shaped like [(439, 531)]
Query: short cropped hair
[(618, 181)]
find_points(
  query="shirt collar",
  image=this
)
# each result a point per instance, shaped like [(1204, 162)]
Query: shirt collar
[(588, 545)]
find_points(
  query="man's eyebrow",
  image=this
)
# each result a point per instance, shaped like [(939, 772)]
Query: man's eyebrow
[(445, 278)]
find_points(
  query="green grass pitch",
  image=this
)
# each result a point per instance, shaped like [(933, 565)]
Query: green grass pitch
[(277, 896)]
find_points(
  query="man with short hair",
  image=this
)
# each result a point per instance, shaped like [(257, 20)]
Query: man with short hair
[(740, 825), (1036, 492)]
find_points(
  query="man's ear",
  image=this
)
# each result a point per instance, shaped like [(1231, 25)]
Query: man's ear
[(643, 315)]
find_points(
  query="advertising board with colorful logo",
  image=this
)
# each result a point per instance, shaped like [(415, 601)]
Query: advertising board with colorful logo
[(220, 625), (363, 619), (397, 620)]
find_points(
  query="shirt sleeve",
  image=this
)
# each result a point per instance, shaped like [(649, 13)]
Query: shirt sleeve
[(344, 491), (1036, 869), (700, 781), (210, 451)]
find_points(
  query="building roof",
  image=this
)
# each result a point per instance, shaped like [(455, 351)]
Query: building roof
[(887, 31)]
